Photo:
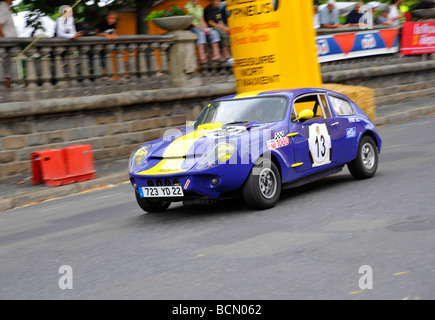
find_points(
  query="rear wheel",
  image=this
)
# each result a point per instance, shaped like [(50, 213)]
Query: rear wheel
[(366, 162), (263, 186), (151, 205)]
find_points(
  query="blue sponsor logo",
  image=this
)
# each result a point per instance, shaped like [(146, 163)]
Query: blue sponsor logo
[(351, 133)]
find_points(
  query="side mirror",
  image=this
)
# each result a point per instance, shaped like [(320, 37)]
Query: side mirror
[(305, 115)]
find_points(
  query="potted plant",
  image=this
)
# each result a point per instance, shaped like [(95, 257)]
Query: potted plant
[(176, 17)]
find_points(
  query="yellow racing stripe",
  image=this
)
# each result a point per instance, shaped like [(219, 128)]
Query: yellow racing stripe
[(173, 157), (249, 94)]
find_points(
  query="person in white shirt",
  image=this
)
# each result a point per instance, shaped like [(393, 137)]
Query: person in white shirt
[(395, 14), (7, 27), (65, 26), (316, 20)]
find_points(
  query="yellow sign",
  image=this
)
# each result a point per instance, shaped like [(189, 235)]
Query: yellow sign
[(273, 44)]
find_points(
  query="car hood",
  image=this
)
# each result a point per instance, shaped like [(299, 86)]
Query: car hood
[(179, 151), (183, 142), (189, 142)]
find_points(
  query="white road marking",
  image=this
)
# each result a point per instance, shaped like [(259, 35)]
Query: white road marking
[(53, 208), (108, 196)]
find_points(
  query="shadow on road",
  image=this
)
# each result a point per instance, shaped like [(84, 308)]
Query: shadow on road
[(178, 213), (321, 184)]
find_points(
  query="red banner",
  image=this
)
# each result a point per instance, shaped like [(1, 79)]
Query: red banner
[(418, 38)]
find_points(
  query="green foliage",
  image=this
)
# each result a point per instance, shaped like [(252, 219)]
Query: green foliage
[(173, 10)]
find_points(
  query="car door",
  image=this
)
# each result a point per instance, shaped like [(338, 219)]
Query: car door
[(317, 142), (349, 123)]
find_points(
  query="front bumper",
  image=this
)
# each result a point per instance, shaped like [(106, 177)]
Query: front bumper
[(193, 186), (210, 183)]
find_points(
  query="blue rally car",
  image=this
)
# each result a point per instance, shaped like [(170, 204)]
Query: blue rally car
[(254, 145)]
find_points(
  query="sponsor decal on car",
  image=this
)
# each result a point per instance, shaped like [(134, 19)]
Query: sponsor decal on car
[(280, 140), (353, 119), (186, 184), (351, 132)]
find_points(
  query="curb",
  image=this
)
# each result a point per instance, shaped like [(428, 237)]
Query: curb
[(404, 115), (28, 198), (116, 178)]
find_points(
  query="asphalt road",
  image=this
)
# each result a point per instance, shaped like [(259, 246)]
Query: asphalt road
[(310, 246)]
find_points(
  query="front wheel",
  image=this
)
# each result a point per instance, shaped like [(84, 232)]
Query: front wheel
[(263, 186), (151, 205), (366, 162)]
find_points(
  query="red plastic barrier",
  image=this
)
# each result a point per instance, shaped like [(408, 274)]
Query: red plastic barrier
[(56, 167), (80, 161)]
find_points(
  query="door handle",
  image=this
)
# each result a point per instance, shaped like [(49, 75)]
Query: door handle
[(292, 134), (334, 124)]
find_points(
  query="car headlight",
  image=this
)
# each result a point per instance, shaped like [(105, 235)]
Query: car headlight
[(138, 156), (217, 154), (224, 152)]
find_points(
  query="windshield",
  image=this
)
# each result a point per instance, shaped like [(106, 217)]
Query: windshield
[(259, 109)]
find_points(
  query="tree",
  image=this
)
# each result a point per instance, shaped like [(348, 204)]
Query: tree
[(85, 10)]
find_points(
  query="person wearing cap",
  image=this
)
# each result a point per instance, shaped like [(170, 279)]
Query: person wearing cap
[(374, 5), (329, 16), (383, 18)]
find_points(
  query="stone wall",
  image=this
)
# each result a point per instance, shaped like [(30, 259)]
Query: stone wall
[(114, 126)]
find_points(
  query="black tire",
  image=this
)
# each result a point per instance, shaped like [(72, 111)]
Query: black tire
[(366, 162), (262, 189), (151, 205)]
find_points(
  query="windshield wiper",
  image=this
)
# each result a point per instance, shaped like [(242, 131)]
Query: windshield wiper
[(237, 122)]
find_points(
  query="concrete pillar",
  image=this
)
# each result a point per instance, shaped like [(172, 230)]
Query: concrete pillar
[(182, 59), (45, 67), (31, 77), (85, 64)]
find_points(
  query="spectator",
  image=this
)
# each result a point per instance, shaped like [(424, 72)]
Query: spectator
[(316, 22), (213, 17), (354, 17), (405, 14), (65, 26), (383, 18), (329, 16), (223, 7), (201, 29), (374, 5), (107, 27), (7, 27), (85, 28), (395, 14)]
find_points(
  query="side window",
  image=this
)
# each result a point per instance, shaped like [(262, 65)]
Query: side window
[(310, 102), (341, 107)]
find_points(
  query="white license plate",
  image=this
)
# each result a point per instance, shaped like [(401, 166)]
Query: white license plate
[(161, 192)]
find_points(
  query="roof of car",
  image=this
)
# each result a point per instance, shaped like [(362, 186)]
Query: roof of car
[(286, 92)]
